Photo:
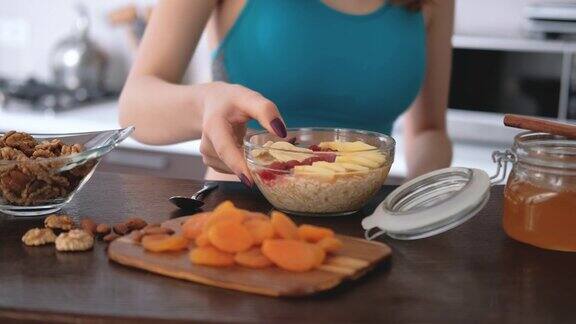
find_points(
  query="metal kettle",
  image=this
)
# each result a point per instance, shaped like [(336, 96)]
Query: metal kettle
[(76, 61)]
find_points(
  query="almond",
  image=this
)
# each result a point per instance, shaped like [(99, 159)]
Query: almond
[(103, 229), (89, 226)]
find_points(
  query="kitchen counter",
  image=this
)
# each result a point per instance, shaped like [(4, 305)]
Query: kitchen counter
[(473, 273), (475, 135), (96, 117)]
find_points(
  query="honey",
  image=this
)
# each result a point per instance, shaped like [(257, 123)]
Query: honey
[(540, 214)]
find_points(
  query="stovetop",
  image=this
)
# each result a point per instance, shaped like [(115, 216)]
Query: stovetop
[(42, 96)]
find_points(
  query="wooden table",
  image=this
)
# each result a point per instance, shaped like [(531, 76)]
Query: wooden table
[(471, 274)]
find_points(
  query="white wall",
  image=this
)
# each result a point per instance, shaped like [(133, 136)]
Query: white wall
[(493, 17), (29, 28)]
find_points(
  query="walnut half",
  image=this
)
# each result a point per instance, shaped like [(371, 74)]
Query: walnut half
[(38, 236), (75, 240), (20, 141), (62, 222)]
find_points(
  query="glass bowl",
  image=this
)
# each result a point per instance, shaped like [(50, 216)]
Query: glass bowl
[(45, 183), (337, 179)]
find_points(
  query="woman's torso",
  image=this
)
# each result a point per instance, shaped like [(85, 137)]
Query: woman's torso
[(323, 67)]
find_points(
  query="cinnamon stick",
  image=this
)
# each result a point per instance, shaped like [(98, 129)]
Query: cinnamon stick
[(540, 125)]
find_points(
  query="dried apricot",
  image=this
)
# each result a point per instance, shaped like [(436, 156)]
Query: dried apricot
[(259, 229), (211, 256), (163, 242), (193, 226), (226, 211), (330, 244), (291, 255), (255, 215), (230, 236), (313, 233), (319, 253), (284, 226), (253, 258), (202, 240)]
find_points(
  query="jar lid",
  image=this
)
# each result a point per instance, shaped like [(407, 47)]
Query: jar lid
[(430, 204)]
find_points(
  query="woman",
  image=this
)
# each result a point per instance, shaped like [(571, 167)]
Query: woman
[(336, 63)]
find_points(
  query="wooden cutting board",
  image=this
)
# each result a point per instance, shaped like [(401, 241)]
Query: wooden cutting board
[(356, 258)]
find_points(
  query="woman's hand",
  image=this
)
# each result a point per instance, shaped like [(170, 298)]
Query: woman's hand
[(154, 97), (227, 109)]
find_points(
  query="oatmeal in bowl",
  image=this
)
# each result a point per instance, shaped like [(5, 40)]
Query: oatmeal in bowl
[(319, 171)]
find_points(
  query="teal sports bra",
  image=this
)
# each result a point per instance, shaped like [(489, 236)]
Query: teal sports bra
[(325, 68)]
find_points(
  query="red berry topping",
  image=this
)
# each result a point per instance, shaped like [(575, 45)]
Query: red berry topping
[(329, 157), (267, 175), (278, 165), (291, 164), (314, 148), (308, 161), (317, 148)]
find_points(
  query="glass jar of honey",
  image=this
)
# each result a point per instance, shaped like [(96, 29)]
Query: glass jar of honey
[(539, 198), (540, 195)]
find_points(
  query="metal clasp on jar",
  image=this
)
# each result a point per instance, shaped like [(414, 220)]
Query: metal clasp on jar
[(501, 158)]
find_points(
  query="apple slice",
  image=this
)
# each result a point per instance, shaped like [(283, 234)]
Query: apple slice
[(331, 145), (352, 167), (263, 154), (314, 171), (354, 159), (289, 147), (259, 153), (346, 146), (284, 152), (330, 166), (374, 156), (288, 156), (357, 146)]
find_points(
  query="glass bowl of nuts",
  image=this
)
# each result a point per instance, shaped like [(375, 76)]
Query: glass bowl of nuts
[(40, 173)]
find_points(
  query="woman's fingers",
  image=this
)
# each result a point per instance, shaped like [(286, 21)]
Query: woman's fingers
[(210, 157), (264, 111), (227, 109), (223, 140)]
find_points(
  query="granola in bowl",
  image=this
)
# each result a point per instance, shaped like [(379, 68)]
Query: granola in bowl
[(325, 172)]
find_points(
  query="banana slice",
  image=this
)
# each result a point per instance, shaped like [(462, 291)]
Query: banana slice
[(330, 166), (314, 171)]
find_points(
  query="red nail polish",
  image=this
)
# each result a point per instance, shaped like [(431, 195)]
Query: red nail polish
[(245, 180), (278, 127)]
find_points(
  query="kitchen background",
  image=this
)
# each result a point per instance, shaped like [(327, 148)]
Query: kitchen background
[(502, 63)]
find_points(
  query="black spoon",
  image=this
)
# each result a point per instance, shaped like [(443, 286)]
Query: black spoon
[(193, 202)]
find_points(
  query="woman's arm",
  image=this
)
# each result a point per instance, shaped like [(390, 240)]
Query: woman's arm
[(426, 141), (165, 111), (162, 110)]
